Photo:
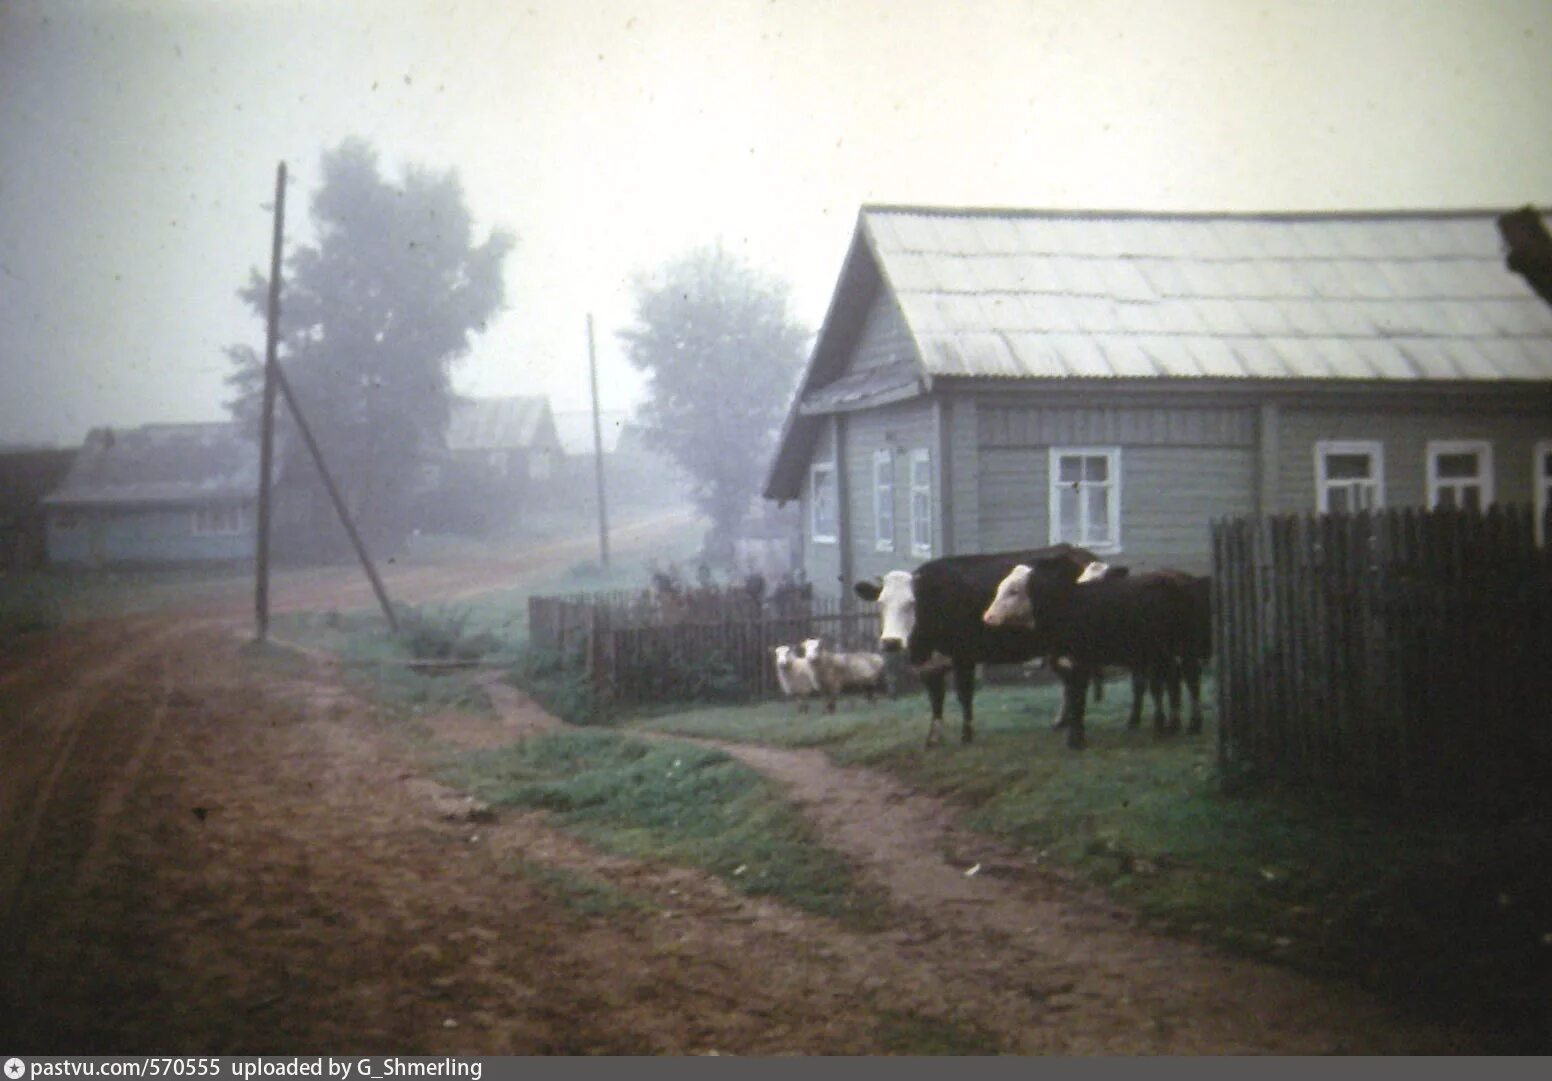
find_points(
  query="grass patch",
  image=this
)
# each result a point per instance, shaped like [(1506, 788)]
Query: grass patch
[(676, 803), (584, 894), (1455, 915), (381, 663)]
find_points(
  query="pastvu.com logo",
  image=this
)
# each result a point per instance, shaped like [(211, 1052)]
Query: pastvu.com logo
[(15, 1068)]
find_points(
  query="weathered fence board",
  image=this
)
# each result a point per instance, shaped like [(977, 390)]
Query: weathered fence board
[(643, 652), (1405, 655)]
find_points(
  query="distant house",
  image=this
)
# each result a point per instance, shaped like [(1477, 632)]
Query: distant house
[(575, 429), (162, 493), (27, 475), (510, 441), (995, 379)]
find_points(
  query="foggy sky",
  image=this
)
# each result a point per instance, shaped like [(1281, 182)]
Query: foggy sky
[(138, 144)]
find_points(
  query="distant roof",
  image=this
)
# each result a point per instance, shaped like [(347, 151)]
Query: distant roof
[(1039, 294), (498, 423), (162, 464), (576, 430)]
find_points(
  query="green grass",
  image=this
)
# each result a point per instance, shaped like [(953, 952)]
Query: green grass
[(584, 894), (1456, 914), (672, 802), (378, 661)]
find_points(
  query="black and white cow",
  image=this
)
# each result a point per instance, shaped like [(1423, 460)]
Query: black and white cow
[(934, 615), (1155, 624)]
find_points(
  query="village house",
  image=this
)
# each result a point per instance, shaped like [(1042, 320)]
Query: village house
[(995, 379), (157, 494)]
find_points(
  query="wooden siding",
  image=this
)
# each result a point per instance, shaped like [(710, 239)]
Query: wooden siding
[(821, 560), (884, 337), (962, 475), (1037, 426), (900, 429), (99, 536), (1013, 503), (1168, 497), (1405, 433)]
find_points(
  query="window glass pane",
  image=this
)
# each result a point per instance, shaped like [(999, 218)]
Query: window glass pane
[(1446, 499), (1337, 500), (1347, 466), (1069, 469), (1471, 497), (1096, 468), (1067, 513), (1098, 506), (1456, 466)]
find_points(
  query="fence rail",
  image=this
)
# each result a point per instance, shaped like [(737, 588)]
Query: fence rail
[(1405, 654), (645, 652)]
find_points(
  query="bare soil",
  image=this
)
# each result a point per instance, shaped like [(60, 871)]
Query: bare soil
[(209, 850)]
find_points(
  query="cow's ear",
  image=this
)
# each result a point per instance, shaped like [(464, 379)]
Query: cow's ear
[(869, 591)]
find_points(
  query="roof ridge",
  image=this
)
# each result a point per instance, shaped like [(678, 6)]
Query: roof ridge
[(1395, 213)]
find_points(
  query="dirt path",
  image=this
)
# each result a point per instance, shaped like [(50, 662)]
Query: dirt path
[(204, 850)]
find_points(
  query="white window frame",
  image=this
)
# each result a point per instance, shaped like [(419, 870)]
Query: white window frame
[(1112, 543), (1542, 475), (921, 503), (1483, 480), (218, 520), (1328, 448), (823, 469), (884, 500)]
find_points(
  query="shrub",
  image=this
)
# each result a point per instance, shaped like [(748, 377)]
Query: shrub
[(558, 681)]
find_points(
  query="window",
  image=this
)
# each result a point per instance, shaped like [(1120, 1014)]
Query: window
[(884, 500), (1460, 474), (218, 521), (921, 502), (822, 498), (1086, 497), (1349, 477), (1543, 480)]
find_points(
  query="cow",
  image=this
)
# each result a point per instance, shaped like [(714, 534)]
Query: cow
[(1198, 648), (934, 614), (1154, 623), (836, 673), (795, 675)]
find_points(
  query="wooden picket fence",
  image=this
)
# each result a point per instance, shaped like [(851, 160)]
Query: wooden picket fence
[(641, 653), (1404, 655)]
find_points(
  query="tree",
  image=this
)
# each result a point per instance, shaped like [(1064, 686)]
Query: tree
[(373, 316), (722, 355)]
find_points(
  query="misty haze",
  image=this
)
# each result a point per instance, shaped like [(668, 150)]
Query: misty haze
[(494, 499)]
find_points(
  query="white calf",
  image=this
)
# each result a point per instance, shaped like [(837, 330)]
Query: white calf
[(795, 675), (836, 673)]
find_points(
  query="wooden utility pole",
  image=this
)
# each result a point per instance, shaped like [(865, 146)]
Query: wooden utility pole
[(275, 379), (267, 416), (338, 500), (598, 448)]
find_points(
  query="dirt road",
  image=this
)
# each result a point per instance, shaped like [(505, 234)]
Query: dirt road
[(206, 850)]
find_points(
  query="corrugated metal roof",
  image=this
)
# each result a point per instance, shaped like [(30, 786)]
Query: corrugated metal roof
[(1048, 295), (162, 464), (496, 423)]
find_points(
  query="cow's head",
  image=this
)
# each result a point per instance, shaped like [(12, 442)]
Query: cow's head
[(784, 657), (1011, 606), (810, 648), (896, 597)]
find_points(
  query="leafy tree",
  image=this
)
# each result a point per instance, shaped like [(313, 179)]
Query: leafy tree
[(722, 355), (373, 315)]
